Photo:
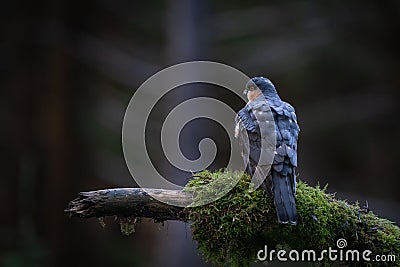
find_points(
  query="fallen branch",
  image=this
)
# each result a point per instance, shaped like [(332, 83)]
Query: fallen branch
[(127, 202)]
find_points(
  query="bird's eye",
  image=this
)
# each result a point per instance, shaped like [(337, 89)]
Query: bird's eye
[(251, 88)]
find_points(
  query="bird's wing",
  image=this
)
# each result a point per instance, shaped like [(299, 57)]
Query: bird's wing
[(247, 119), (287, 131), (246, 132), (256, 134)]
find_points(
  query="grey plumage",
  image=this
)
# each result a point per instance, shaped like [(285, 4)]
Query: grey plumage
[(252, 124)]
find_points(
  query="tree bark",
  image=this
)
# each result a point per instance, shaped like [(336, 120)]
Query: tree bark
[(126, 202)]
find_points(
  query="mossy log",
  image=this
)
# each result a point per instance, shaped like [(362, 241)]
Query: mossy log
[(234, 228)]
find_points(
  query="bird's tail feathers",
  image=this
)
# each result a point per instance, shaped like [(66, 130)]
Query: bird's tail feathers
[(284, 199)]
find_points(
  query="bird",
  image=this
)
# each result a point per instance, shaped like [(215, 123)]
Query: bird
[(266, 117)]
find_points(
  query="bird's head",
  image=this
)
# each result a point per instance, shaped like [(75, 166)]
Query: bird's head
[(266, 87)]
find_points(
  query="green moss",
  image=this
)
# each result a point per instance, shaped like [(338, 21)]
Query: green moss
[(128, 224), (101, 221), (231, 230)]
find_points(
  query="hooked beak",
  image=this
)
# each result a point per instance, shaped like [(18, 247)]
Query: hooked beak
[(245, 91)]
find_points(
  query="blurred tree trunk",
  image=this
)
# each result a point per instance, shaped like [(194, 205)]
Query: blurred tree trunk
[(39, 136), (55, 134), (187, 40)]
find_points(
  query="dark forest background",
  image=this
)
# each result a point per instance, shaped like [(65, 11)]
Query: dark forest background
[(69, 69)]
